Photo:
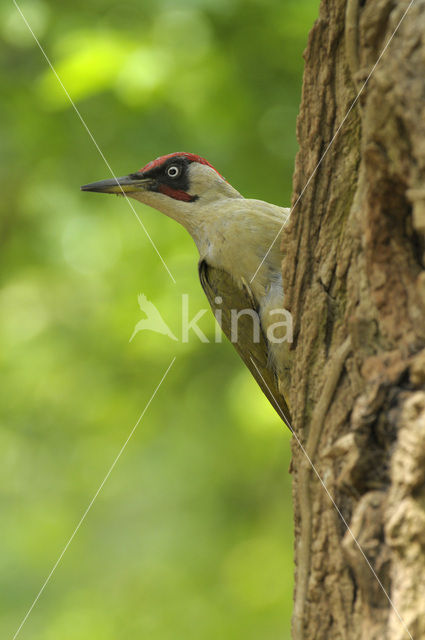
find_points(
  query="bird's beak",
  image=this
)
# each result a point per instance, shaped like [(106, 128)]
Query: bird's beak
[(124, 185)]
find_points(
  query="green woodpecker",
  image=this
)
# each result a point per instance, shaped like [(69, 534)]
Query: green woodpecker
[(233, 236)]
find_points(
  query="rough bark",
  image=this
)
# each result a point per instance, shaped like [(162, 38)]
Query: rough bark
[(355, 284)]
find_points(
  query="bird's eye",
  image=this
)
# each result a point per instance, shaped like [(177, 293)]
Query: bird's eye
[(173, 171)]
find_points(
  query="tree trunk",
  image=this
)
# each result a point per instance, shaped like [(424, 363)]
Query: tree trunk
[(355, 285)]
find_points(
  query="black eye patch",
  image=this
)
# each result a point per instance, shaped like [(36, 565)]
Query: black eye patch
[(174, 173), (163, 174)]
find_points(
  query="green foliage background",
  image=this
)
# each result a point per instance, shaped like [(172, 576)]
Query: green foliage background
[(191, 536)]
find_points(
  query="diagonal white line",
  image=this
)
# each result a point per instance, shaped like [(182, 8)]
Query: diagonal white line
[(94, 141), (356, 99), (92, 501), (311, 463)]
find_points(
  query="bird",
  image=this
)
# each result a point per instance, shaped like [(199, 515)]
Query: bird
[(239, 258)]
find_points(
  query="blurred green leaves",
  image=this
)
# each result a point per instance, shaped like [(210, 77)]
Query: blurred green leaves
[(13, 27), (87, 63), (192, 534)]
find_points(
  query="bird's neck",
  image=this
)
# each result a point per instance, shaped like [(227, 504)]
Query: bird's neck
[(200, 216)]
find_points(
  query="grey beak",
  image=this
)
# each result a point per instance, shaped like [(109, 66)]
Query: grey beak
[(123, 185)]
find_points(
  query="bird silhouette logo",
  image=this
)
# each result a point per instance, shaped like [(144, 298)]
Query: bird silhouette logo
[(153, 321)]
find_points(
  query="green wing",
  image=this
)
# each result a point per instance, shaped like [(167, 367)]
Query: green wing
[(253, 350)]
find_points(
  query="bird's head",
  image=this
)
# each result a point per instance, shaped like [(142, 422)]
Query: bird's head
[(179, 184)]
